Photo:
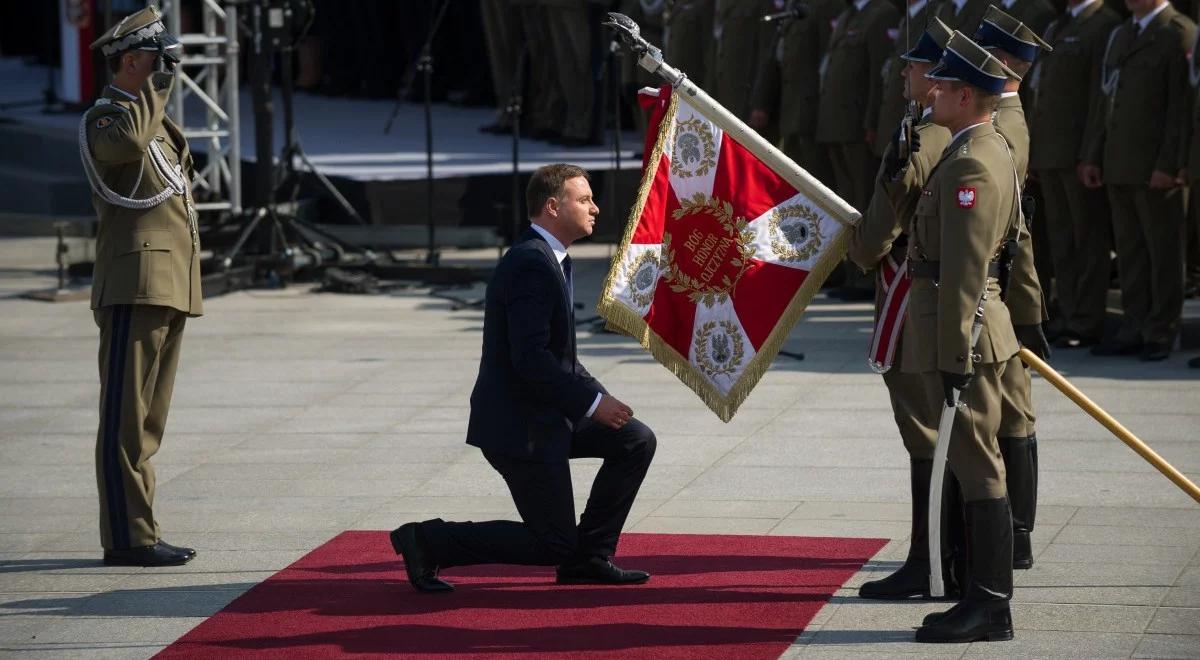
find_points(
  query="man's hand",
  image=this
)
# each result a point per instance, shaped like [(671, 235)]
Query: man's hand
[(952, 381), (758, 119), (612, 413), (1160, 180), (893, 164), (1089, 175), (1032, 337)]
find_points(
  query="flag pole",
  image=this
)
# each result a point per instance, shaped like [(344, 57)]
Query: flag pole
[(1123, 434)]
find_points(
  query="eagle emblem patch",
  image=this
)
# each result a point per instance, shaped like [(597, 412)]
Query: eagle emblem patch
[(966, 198), (104, 122)]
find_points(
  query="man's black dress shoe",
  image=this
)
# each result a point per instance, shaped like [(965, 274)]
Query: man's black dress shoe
[(1154, 352), (598, 570), (159, 554), (422, 573), (1117, 348)]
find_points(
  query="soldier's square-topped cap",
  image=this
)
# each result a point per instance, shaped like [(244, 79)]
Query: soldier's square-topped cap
[(999, 30), (966, 61), (932, 43), (143, 30)]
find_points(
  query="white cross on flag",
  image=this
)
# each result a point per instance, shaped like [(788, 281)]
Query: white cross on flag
[(722, 253)]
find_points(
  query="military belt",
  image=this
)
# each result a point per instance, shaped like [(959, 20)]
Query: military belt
[(932, 269)]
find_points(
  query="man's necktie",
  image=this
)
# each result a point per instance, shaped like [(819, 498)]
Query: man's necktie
[(566, 266)]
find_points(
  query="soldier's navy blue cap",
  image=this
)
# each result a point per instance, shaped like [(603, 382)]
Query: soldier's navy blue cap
[(999, 30), (966, 61), (932, 43)]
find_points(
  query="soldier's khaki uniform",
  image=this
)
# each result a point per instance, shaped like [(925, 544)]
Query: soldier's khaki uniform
[(1140, 127), (1192, 250), (146, 283), (544, 107), (687, 35), (883, 230), (1076, 218), (965, 213), (851, 93), (892, 103), (789, 86), (502, 31), (570, 38), (743, 42), (965, 17)]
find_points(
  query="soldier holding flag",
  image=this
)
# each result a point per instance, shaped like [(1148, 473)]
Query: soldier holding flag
[(958, 335)]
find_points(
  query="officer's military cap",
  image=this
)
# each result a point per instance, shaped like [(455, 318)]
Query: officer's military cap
[(932, 43), (966, 61), (143, 30), (999, 30)]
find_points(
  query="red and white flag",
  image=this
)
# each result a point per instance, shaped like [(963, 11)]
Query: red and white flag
[(722, 252)]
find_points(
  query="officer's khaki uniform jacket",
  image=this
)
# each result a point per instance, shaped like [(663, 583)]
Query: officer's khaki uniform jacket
[(1193, 159), (892, 103), (687, 35), (1066, 79), (789, 80), (1140, 124), (965, 212), (967, 20), (893, 202), (743, 42), (851, 91), (151, 256), (1024, 295)]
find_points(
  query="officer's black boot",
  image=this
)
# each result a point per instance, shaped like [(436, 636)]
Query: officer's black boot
[(983, 613), (1021, 466), (912, 578)]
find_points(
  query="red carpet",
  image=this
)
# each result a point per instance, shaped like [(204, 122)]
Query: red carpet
[(711, 597)]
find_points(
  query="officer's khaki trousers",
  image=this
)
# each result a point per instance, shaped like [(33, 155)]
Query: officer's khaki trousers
[(916, 414), (854, 168), (543, 104), (974, 455), (1076, 222), (1148, 232), (139, 352), (1016, 401), (808, 154), (502, 30), (570, 36)]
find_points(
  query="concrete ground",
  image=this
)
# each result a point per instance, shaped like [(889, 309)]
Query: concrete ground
[(298, 415)]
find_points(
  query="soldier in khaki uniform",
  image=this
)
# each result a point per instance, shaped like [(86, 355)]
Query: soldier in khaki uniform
[(1016, 45), (962, 14), (892, 101), (1137, 147), (687, 38), (742, 41), (1190, 176), (1076, 219), (883, 234), (969, 208), (147, 277), (851, 92), (789, 84), (571, 39)]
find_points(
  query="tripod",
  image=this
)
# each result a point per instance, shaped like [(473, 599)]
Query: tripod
[(424, 66), (273, 23)]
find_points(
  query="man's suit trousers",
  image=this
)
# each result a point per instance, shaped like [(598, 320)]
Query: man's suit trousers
[(547, 534)]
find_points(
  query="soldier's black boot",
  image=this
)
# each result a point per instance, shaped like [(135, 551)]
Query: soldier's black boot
[(983, 613), (912, 578), (1021, 467)]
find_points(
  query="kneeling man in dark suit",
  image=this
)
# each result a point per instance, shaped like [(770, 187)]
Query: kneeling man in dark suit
[(534, 407)]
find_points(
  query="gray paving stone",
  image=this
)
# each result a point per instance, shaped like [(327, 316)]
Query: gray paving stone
[(1187, 596), (1090, 595), (1176, 621), (1058, 644), (1168, 646), (1130, 554), (682, 508), (670, 525), (1081, 618), (1129, 535)]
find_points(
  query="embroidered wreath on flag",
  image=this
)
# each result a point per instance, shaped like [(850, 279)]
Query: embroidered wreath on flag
[(795, 232), (737, 245), (643, 277), (719, 348), (693, 145)]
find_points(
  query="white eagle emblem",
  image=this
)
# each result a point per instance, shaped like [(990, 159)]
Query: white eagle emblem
[(966, 198)]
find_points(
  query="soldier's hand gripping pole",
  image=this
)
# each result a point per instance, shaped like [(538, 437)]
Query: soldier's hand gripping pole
[(941, 450), (1056, 379)]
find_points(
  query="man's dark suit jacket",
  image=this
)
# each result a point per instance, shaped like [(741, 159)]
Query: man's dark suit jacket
[(531, 390)]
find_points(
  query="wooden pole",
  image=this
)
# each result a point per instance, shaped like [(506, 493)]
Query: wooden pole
[(1056, 379)]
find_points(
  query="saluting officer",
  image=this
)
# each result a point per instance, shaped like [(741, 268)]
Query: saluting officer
[(883, 236), (892, 100), (1017, 46), (967, 211), (147, 277), (1137, 148), (1076, 219)]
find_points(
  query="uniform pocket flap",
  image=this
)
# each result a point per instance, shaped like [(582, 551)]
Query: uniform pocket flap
[(153, 240)]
